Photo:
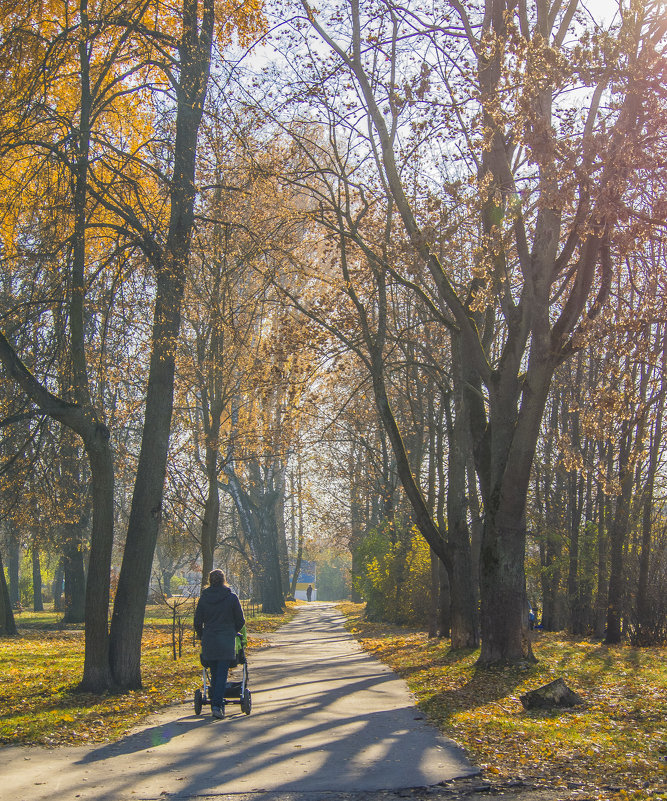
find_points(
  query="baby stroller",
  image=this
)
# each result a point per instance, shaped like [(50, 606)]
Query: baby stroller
[(236, 692)]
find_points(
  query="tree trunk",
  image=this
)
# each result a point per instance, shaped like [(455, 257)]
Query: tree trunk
[(299, 528), (13, 566), (37, 600), (283, 552), (444, 602), (434, 606), (464, 622), (82, 419), (57, 587), (603, 516), (96, 669), (75, 583), (503, 588), (643, 602), (617, 535), (209, 528), (271, 572), (358, 520), (574, 503), (146, 509), (167, 576), (258, 521), (7, 622)]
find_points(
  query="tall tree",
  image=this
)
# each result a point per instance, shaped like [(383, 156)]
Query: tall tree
[(549, 189), (188, 73)]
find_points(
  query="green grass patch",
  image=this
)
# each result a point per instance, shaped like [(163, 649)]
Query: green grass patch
[(613, 747), (40, 669)]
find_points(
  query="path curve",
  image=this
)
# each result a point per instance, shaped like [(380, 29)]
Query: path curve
[(326, 717)]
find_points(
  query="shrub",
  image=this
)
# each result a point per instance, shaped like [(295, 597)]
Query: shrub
[(396, 578)]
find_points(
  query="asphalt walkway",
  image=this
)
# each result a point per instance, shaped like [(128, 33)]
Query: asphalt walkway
[(326, 717)]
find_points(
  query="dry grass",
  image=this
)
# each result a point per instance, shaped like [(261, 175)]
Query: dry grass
[(615, 746), (42, 666)]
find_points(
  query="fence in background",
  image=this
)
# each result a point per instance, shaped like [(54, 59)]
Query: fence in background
[(251, 608)]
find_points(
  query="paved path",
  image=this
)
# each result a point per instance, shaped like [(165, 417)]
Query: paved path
[(326, 717)]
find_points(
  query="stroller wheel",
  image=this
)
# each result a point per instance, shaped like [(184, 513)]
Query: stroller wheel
[(198, 702), (246, 702)]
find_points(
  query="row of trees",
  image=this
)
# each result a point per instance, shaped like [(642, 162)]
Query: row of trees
[(96, 186), (484, 173), (374, 255)]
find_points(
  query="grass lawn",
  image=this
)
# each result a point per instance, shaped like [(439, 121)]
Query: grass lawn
[(39, 671), (614, 747)]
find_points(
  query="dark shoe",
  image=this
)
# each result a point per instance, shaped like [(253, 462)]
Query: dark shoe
[(218, 712)]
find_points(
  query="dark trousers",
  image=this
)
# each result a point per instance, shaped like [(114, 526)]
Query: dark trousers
[(219, 670)]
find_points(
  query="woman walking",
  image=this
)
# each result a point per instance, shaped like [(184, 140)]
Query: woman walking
[(218, 619)]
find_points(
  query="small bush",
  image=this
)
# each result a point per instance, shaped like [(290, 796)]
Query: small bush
[(396, 578)]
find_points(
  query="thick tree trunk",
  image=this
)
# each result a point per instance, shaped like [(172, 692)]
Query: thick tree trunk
[(503, 588), (7, 622), (97, 675), (464, 621), (94, 605), (75, 582), (272, 594), (146, 510), (258, 521), (463, 609), (167, 576)]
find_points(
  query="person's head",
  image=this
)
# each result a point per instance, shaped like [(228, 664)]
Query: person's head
[(216, 578)]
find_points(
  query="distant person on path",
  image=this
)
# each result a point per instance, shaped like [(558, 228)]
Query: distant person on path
[(218, 619), (309, 593)]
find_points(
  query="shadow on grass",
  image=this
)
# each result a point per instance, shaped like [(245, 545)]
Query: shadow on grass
[(486, 685)]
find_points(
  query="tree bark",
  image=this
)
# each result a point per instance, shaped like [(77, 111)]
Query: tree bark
[(298, 507), (643, 601), (7, 622), (57, 587), (14, 562), (271, 570), (617, 535), (75, 582), (37, 599), (84, 421), (209, 528), (146, 509)]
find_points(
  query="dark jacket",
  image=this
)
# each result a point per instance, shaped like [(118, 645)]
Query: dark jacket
[(218, 618)]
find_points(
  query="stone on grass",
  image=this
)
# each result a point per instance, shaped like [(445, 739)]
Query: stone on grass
[(554, 694)]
